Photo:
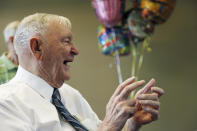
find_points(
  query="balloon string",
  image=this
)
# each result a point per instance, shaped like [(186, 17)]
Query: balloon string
[(133, 65), (141, 57), (135, 53), (117, 58), (118, 66), (134, 59)]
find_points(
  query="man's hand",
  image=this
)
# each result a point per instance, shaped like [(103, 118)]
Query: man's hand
[(119, 108), (148, 108)]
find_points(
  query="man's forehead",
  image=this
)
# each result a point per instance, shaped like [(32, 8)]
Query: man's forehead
[(59, 23), (57, 29), (56, 26)]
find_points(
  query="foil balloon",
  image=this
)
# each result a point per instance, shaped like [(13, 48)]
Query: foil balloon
[(113, 39), (157, 11), (109, 12), (138, 26)]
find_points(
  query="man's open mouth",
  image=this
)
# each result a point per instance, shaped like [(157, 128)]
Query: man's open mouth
[(67, 61)]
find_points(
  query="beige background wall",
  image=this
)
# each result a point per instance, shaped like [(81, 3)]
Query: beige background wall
[(172, 62)]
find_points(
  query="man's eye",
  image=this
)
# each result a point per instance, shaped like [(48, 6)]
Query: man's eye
[(67, 41)]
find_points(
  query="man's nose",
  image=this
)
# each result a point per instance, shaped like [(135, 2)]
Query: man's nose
[(74, 50)]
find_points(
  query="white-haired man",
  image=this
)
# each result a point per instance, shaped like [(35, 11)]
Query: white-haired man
[(9, 60), (37, 99)]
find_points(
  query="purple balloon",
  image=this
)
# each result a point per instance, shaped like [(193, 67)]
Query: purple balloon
[(109, 12)]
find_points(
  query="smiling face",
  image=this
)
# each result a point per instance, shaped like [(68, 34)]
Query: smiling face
[(58, 50)]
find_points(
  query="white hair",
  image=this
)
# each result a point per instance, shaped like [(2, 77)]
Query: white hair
[(33, 25), (10, 30)]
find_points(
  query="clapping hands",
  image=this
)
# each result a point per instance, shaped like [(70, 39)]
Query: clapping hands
[(134, 112)]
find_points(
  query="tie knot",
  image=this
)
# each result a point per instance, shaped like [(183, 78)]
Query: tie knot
[(56, 94)]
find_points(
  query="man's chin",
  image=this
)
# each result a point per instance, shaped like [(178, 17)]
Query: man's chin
[(67, 77)]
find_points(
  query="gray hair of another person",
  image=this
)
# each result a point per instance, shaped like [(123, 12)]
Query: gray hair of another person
[(10, 30)]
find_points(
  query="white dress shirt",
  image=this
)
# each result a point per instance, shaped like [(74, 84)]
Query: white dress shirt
[(25, 105)]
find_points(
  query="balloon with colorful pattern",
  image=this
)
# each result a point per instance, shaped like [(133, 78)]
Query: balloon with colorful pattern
[(157, 11), (113, 39), (109, 12)]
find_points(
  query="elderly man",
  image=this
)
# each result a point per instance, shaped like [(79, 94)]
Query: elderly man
[(37, 99), (9, 60)]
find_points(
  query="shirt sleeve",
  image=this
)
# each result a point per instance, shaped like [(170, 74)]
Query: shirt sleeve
[(12, 119)]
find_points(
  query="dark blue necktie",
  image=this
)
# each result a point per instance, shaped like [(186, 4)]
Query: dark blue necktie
[(56, 100)]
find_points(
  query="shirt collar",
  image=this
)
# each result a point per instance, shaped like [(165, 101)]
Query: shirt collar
[(35, 82)]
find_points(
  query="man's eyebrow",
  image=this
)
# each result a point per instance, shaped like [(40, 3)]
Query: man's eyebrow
[(65, 37), (68, 35)]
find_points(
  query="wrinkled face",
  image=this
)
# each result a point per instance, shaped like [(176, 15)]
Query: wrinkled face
[(58, 51)]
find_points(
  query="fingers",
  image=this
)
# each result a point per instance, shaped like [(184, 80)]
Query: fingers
[(127, 90), (128, 111), (150, 103), (153, 112), (130, 102), (147, 97), (127, 108), (158, 91), (122, 98), (123, 85), (146, 88), (151, 100), (120, 108), (117, 115)]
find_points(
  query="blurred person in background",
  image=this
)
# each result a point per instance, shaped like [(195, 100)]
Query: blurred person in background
[(37, 99), (9, 60)]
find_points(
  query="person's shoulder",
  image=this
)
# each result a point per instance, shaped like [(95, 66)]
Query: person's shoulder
[(12, 102), (2, 57), (11, 89)]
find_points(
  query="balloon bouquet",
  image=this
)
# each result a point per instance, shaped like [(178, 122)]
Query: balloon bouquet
[(136, 25), (113, 40)]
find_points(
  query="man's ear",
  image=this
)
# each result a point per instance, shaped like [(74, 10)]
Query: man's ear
[(11, 39), (35, 45)]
